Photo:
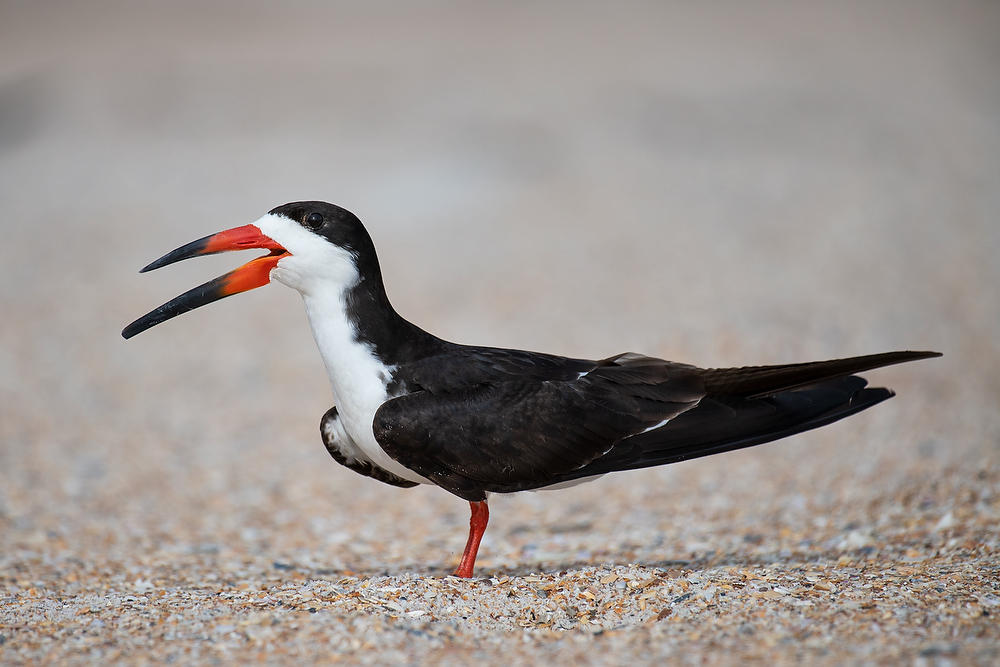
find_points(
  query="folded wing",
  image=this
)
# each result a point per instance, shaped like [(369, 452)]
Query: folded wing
[(518, 432)]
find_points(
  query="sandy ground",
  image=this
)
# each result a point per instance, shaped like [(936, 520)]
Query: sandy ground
[(726, 184)]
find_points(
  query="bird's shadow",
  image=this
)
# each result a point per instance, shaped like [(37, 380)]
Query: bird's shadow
[(710, 560)]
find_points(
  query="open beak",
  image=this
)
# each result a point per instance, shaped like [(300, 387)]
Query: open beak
[(255, 273)]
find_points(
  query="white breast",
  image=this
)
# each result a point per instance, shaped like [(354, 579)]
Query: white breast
[(358, 378)]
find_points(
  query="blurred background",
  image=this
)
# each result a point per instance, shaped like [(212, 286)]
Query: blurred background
[(721, 183)]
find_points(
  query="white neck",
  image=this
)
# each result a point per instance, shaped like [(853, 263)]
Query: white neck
[(357, 376)]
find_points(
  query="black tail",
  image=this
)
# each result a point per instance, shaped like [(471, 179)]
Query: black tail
[(757, 381), (744, 407)]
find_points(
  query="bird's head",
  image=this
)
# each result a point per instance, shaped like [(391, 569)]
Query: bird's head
[(313, 245)]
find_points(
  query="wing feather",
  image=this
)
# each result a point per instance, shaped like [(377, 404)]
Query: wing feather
[(519, 431)]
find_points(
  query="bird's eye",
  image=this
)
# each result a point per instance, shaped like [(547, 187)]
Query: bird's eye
[(314, 220)]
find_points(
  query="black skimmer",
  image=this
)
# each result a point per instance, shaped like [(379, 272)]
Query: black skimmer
[(412, 409)]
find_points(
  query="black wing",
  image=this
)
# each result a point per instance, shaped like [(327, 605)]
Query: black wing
[(512, 426), (500, 422)]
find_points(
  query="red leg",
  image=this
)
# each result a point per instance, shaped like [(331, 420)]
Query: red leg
[(477, 526)]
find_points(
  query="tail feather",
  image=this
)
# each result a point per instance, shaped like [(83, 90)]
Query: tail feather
[(759, 381)]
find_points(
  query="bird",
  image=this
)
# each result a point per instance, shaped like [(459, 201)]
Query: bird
[(411, 408)]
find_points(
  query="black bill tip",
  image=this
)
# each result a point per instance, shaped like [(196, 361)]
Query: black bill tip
[(193, 249), (199, 296)]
